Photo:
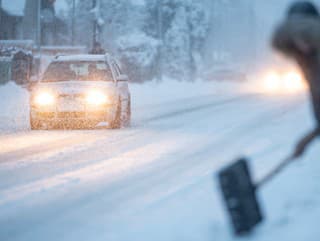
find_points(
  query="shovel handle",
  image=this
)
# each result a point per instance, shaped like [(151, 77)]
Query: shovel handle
[(302, 145), (275, 171)]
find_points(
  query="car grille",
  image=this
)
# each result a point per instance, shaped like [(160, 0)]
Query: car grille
[(71, 96), (71, 114), (46, 115)]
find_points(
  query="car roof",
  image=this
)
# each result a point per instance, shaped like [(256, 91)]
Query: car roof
[(82, 57)]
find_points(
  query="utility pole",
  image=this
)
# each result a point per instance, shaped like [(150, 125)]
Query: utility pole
[(39, 24), (0, 14), (94, 36), (39, 35), (73, 22), (161, 38)]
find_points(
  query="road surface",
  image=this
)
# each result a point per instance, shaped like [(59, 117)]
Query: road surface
[(152, 181)]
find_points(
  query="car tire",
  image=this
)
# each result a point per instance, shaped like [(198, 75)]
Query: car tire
[(128, 114), (35, 124), (117, 123)]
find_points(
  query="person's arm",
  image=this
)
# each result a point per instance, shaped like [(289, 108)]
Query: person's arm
[(302, 46), (305, 141), (282, 40)]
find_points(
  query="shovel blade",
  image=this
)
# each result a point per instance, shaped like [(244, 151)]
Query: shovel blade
[(239, 195)]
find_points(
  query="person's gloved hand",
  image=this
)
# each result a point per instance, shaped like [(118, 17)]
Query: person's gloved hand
[(301, 147), (304, 142)]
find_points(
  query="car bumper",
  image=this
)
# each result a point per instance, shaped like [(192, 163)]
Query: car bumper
[(72, 118)]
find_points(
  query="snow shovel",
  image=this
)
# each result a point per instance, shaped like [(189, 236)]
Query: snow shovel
[(239, 193)]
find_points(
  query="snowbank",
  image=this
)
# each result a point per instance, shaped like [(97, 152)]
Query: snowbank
[(14, 106)]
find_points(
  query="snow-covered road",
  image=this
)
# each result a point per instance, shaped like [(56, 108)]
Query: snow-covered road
[(155, 180)]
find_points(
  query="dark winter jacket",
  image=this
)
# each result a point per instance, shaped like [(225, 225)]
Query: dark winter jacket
[(299, 38)]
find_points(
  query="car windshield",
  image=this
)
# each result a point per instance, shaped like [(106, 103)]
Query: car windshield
[(77, 70)]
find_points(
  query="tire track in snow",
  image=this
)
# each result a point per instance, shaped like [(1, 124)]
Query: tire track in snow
[(50, 148), (79, 158), (222, 132), (47, 147), (196, 108)]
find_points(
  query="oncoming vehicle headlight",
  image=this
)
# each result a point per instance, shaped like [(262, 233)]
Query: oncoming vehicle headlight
[(293, 82), (286, 82), (96, 97), (44, 99), (272, 82)]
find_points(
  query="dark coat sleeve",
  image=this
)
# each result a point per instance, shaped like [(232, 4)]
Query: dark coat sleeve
[(285, 40), (281, 41)]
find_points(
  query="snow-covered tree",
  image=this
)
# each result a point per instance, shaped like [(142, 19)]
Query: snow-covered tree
[(177, 58), (170, 34), (138, 53), (182, 27), (199, 25)]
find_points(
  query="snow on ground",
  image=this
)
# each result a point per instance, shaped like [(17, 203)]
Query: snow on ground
[(156, 180), (14, 114)]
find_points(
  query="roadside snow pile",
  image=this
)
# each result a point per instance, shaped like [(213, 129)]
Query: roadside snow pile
[(14, 106)]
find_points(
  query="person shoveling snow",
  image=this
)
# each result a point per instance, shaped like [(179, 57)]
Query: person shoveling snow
[(298, 37)]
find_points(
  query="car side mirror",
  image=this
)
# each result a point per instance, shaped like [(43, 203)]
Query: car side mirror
[(122, 78), (32, 82)]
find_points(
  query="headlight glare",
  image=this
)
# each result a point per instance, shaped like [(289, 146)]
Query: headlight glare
[(44, 99), (272, 82), (96, 97), (285, 82)]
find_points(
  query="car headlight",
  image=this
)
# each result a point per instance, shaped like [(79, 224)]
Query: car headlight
[(44, 99), (293, 82), (96, 97), (289, 82), (272, 82)]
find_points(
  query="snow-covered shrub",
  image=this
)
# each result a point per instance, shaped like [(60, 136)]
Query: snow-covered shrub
[(138, 53), (20, 65)]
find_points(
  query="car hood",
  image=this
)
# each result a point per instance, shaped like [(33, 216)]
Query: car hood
[(75, 87)]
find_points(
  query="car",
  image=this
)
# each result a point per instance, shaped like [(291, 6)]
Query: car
[(282, 81), (81, 91)]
